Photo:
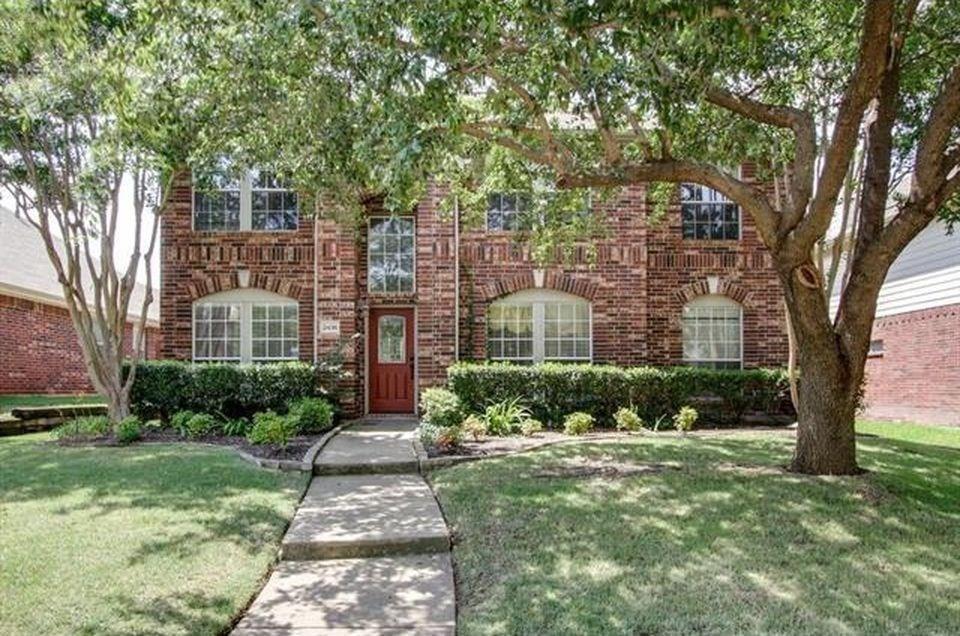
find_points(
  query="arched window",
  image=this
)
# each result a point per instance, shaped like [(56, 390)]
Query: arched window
[(534, 325), (245, 325), (713, 333)]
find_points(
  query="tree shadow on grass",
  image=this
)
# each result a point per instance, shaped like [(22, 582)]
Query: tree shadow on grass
[(181, 612), (714, 547)]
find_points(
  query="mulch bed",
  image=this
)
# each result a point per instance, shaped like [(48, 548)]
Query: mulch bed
[(295, 450)]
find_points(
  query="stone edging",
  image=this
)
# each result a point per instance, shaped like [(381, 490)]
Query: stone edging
[(304, 465)]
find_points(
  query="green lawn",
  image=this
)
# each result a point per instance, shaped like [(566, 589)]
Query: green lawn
[(909, 432), (150, 539), (8, 402), (720, 541)]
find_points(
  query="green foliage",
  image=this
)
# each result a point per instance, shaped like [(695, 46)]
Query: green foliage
[(553, 390), (273, 429), (530, 427), (428, 434), (474, 427), (83, 428), (237, 427), (505, 417), (311, 415), (440, 407), (685, 418), (197, 426), (165, 387), (578, 423), (627, 419), (178, 421), (449, 437), (128, 430)]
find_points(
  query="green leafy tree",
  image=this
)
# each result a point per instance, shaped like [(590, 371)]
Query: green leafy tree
[(564, 97), (84, 107)]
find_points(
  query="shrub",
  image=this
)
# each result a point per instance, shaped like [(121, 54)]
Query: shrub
[(685, 418), (162, 388), (449, 437), (197, 426), (440, 407), (577, 423), (530, 427), (237, 427), (312, 415), (628, 420), (505, 417), (273, 429), (553, 389), (474, 427), (82, 428), (428, 434), (128, 430), (178, 421)]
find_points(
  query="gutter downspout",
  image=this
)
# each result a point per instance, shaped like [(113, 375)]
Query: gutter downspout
[(316, 283), (456, 279)]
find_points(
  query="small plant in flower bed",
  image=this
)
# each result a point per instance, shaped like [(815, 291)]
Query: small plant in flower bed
[(193, 425), (627, 419), (505, 417), (530, 427), (685, 418), (83, 428), (441, 407), (449, 437), (311, 415), (273, 429), (237, 427), (428, 434), (474, 427), (128, 430), (577, 423)]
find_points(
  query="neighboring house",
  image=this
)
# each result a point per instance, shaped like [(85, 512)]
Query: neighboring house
[(913, 371), (39, 349), (247, 279)]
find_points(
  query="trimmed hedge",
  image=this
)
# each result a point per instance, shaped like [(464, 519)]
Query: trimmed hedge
[(552, 391), (164, 387)]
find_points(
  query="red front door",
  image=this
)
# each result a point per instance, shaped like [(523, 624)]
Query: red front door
[(391, 361)]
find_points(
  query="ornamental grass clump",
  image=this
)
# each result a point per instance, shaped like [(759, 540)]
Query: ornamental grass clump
[(578, 423), (627, 419), (685, 418), (505, 417)]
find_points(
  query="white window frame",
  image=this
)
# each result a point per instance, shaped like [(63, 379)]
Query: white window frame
[(246, 207), (537, 299), (722, 200), (413, 233), (245, 299), (705, 301)]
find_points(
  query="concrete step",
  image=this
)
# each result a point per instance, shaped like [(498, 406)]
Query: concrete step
[(379, 468), (349, 516), (389, 595), (376, 446)]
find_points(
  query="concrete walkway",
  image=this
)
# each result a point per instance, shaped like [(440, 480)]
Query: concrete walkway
[(367, 552)]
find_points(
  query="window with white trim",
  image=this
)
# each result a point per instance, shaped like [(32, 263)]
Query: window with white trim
[(713, 333), (245, 325), (508, 211), (537, 325), (390, 255), (707, 214), (258, 200)]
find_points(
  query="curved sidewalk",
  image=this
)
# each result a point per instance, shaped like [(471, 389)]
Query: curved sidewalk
[(368, 551)]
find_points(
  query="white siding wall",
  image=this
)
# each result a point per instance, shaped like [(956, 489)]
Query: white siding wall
[(925, 275)]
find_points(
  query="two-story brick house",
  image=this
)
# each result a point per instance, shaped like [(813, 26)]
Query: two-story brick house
[(246, 279)]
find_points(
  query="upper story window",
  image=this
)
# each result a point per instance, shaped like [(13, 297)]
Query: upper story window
[(707, 214), (258, 200), (245, 325), (390, 255), (713, 333), (536, 325), (508, 211)]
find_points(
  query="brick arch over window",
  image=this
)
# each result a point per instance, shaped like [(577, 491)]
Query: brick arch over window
[(557, 281), (724, 287), (224, 282)]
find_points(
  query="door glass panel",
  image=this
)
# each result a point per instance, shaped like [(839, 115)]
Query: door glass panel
[(392, 339)]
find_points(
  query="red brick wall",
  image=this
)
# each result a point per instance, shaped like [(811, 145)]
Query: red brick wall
[(918, 375), (637, 285), (40, 352)]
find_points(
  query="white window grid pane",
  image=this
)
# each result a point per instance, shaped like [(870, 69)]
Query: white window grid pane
[(273, 206), (216, 332), (510, 332), (707, 214), (566, 329), (275, 332), (390, 259), (507, 211), (712, 335), (217, 209)]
